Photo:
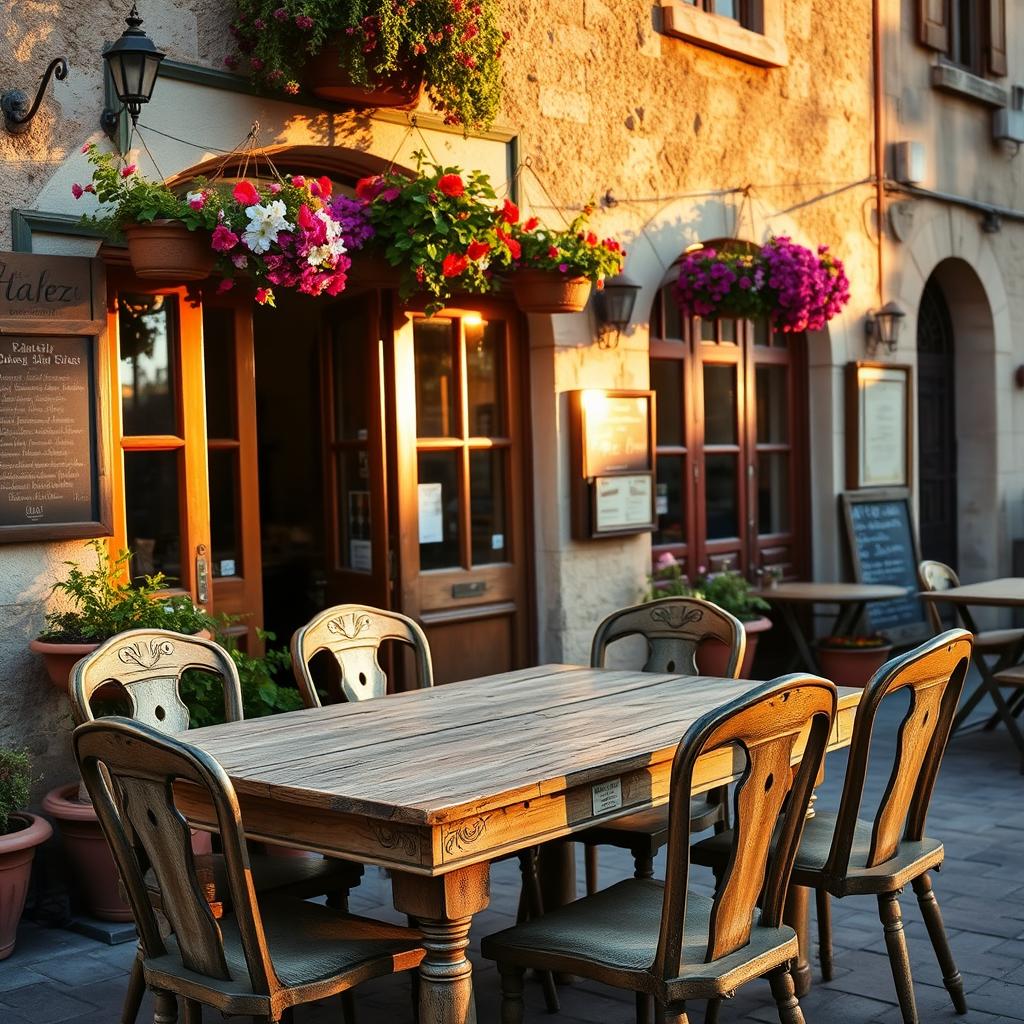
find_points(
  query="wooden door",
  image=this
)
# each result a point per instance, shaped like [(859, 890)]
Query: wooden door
[(461, 492)]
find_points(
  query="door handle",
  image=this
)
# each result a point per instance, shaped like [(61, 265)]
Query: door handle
[(202, 575)]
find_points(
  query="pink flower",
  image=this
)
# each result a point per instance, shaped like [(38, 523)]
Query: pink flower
[(245, 194), (265, 297), (225, 286), (298, 181), (275, 187), (77, 190), (86, 147), (303, 21), (281, 14), (128, 170), (292, 88), (90, 188), (224, 239), (240, 260), (665, 560)]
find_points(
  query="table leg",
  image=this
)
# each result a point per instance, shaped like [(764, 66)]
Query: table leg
[(443, 907), (848, 618), (795, 914), (804, 652)]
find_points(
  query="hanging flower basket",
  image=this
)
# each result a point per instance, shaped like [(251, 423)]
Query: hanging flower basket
[(326, 74), (168, 249), (549, 291)]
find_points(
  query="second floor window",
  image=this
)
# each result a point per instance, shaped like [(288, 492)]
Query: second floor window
[(746, 12), (970, 33)]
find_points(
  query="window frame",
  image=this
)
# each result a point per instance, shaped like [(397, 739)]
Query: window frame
[(758, 37)]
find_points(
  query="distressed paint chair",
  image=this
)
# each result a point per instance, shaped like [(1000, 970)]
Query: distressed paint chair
[(658, 938), (843, 855), (256, 958), (144, 667), (673, 628)]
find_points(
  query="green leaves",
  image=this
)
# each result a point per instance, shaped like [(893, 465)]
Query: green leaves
[(15, 781)]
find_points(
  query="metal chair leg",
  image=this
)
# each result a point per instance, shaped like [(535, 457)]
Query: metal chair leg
[(136, 990), (590, 865), (784, 992), (824, 914), (899, 958), (511, 993), (940, 941)]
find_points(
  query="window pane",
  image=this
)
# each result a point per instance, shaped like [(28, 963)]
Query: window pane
[(719, 404), (667, 382), (148, 337), (772, 404), (351, 386), (727, 8), (722, 496), (487, 505), (485, 379), (219, 366), (435, 383), (438, 498), (762, 333), (707, 330), (669, 504), (673, 318), (728, 330), (355, 548), (773, 492), (152, 513), (224, 506)]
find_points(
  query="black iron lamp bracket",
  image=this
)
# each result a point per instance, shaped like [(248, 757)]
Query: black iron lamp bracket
[(14, 103)]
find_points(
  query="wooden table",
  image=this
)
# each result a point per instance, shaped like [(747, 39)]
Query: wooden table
[(1007, 592), (851, 598), (434, 784)]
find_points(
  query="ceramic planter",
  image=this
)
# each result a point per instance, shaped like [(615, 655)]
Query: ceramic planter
[(17, 849), (167, 249), (326, 75), (851, 666), (713, 655), (548, 291)]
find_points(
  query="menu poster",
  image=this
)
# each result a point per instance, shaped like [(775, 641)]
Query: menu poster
[(878, 425), (616, 434), (623, 503)]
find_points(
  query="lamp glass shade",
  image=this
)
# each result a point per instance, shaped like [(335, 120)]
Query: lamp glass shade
[(134, 63), (616, 301), (889, 320)]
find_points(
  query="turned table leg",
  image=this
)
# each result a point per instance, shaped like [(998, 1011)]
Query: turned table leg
[(443, 907)]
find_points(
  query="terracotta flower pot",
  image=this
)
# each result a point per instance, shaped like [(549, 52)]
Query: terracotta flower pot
[(549, 291), (167, 249), (326, 75), (92, 863), (713, 655), (851, 666), (17, 849)]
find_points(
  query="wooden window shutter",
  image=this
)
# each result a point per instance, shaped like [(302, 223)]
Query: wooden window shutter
[(995, 37), (933, 24)]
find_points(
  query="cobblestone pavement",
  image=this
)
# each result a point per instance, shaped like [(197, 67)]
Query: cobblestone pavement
[(56, 975)]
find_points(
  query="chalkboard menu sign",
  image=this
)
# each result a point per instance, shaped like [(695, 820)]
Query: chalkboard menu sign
[(53, 482), (883, 549)]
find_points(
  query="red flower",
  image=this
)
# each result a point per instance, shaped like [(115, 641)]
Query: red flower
[(369, 188), (451, 185), (515, 250), (510, 212), (591, 238), (77, 190), (265, 297), (477, 250), (224, 239), (128, 170), (245, 194), (552, 252), (454, 265), (532, 224), (325, 187)]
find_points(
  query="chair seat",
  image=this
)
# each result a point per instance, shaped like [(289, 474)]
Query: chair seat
[(647, 831), (612, 936), (913, 858), (993, 641), (1011, 676), (316, 952)]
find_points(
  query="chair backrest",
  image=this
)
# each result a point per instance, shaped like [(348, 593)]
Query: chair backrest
[(148, 665), (142, 825), (766, 727), (934, 675), (353, 633), (938, 576), (674, 628)]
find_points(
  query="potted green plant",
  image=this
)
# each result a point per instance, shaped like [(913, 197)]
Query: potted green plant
[(730, 591), (20, 834), (553, 271), (104, 603), (852, 660), (374, 53)]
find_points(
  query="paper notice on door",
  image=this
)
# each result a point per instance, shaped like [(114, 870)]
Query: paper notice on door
[(360, 555), (431, 510)]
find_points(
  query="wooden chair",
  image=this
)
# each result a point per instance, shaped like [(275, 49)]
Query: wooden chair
[(256, 958), (144, 667), (658, 938), (673, 628), (843, 855), (353, 634)]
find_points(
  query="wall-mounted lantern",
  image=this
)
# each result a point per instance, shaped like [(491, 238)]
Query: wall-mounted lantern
[(883, 328), (614, 305), (134, 63)]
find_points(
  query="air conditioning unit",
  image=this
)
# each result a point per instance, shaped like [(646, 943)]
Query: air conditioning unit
[(1008, 126), (908, 162)]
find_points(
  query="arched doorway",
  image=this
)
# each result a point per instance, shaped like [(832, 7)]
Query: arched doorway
[(936, 427)]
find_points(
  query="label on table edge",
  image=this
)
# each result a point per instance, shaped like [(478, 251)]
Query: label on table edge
[(607, 796)]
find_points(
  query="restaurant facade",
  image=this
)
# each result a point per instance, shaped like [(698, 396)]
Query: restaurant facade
[(273, 462)]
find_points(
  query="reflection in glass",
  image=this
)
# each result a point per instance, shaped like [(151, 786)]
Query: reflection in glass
[(719, 404), (487, 505), (772, 404), (354, 509), (224, 507), (219, 370), (773, 492), (667, 382), (485, 378), (151, 513), (351, 386), (148, 340), (438, 500), (669, 504), (435, 384), (722, 496), (727, 9)]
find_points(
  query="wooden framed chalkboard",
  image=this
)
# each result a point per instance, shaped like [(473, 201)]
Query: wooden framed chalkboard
[(883, 549), (54, 481)]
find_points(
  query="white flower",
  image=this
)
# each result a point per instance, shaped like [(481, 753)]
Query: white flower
[(197, 200), (335, 243), (266, 222)]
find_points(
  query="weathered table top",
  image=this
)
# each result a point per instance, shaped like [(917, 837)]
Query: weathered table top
[(433, 779), (830, 593), (1007, 592)]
